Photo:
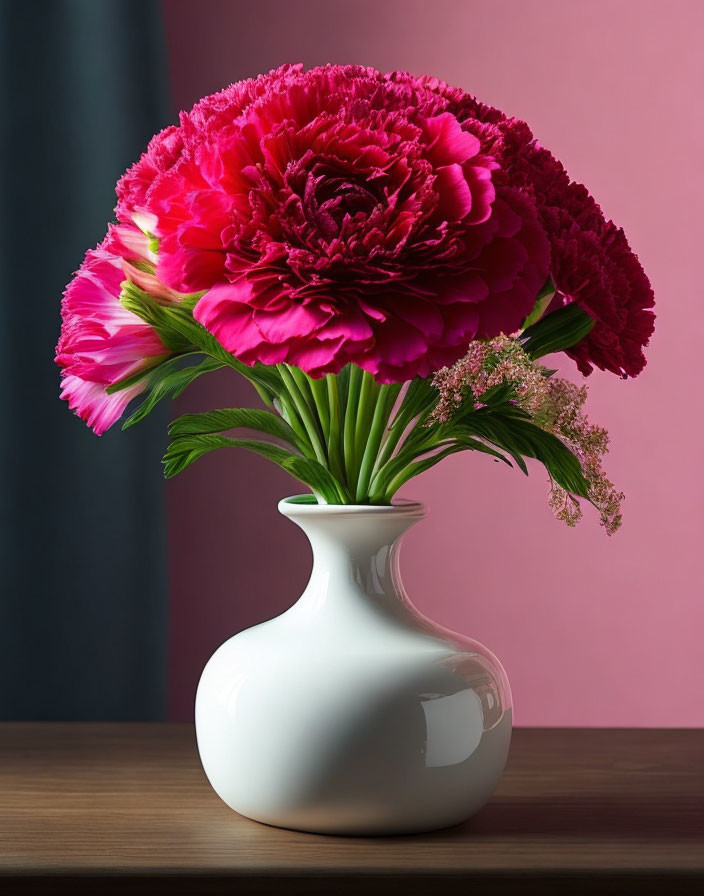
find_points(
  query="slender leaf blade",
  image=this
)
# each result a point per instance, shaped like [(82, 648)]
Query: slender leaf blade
[(185, 450), (520, 438), (168, 381), (557, 331), (221, 420), (175, 324), (541, 303)]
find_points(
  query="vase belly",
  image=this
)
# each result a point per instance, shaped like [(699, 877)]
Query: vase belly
[(346, 742)]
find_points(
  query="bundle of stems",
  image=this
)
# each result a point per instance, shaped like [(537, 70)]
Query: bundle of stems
[(365, 433), (351, 439)]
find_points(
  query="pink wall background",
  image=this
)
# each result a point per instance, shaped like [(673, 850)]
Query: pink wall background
[(592, 630)]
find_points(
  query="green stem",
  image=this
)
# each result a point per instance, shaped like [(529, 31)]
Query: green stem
[(396, 430), (319, 392), (410, 409), (386, 455), (413, 469), (415, 446), (365, 411), (303, 384), (384, 402), (404, 433), (335, 451), (301, 405), (353, 388), (290, 415)]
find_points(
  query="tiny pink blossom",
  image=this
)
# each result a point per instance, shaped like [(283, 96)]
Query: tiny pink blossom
[(553, 403)]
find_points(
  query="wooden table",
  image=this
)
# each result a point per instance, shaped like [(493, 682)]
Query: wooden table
[(108, 808)]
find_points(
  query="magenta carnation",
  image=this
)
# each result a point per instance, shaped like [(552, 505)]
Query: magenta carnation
[(102, 343), (342, 215), (329, 220)]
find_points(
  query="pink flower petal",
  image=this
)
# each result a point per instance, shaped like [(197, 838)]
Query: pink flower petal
[(448, 142), (455, 197)]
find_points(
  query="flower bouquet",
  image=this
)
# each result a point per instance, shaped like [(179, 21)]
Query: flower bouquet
[(388, 261)]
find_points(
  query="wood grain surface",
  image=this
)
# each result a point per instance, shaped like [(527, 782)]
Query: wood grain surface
[(126, 808)]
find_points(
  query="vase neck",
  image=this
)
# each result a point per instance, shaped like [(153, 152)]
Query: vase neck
[(355, 553)]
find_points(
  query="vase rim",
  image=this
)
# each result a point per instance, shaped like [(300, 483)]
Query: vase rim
[(305, 505)]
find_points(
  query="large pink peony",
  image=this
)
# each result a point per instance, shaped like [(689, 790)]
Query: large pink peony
[(102, 343), (329, 220)]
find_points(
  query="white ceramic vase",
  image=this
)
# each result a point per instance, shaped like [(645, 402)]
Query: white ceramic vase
[(351, 713)]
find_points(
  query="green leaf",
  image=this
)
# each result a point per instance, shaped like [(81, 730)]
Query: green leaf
[(419, 400), (469, 444), (185, 450), (168, 381), (520, 438), (410, 470), (499, 398), (157, 316), (232, 418), (176, 327), (142, 374), (557, 331), (541, 303), (459, 442)]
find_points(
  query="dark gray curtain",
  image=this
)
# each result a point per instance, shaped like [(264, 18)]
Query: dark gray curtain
[(83, 619)]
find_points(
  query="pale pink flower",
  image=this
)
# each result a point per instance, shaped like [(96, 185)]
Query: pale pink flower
[(101, 342)]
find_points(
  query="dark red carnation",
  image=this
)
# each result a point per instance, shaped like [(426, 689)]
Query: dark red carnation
[(592, 262)]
